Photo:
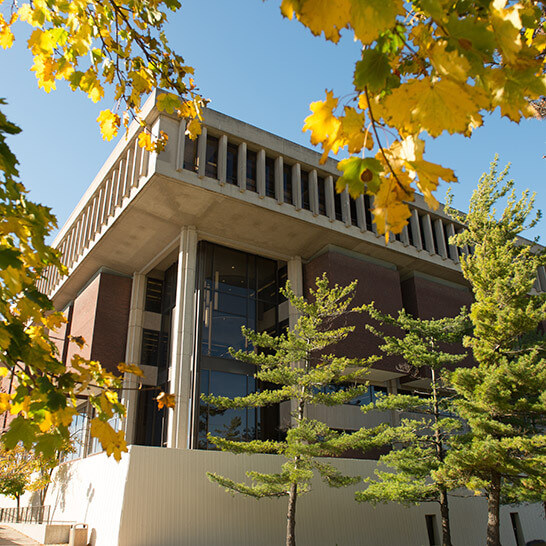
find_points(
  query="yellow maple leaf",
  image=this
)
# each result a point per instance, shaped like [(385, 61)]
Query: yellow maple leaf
[(145, 141), (433, 106), (5, 339), (109, 124), (324, 16), (111, 441), (130, 368), (47, 422), (165, 400), (193, 129), (322, 123), (168, 102), (6, 35), (63, 416), (352, 128), (45, 68), (5, 402), (21, 407), (372, 17), (429, 175)]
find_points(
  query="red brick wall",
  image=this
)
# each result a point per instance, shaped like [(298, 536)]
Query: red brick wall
[(100, 315), (427, 299), (375, 283), (111, 320)]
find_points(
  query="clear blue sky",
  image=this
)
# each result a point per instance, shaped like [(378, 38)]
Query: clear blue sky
[(254, 66)]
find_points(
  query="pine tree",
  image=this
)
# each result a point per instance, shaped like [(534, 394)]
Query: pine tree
[(418, 442), (502, 398), (304, 374)]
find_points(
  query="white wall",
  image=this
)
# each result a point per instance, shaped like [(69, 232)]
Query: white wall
[(161, 497)]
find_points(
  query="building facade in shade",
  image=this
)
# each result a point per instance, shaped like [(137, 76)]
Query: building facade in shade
[(170, 254)]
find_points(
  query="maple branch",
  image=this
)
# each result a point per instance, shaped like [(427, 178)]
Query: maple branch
[(372, 119)]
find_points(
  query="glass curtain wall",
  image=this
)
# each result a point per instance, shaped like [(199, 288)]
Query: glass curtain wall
[(236, 289)]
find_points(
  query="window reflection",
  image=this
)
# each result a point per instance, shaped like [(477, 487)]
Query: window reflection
[(238, 289)]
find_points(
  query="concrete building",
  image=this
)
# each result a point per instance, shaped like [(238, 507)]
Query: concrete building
[(169, 255)]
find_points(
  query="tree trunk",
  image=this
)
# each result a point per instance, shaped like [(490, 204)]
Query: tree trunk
[(444, 511), (444, 506), (18, 503), (291, 516), (493, 508)]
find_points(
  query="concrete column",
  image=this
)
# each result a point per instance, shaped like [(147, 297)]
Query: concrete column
[(313, 192), (241, 166), (260, 173), (427, 228), (453, 254), (440, 237), (295, 276), (361, 213), (416, 230), (346, 207), (132, 354), (279, 186), (329, 192), (404, 236), (222, 159), (180, 146), (202, 153), (296, 185), (182, 346)]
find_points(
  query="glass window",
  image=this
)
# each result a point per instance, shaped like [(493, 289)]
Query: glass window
[(368, 212), (150, 347), (337, 206), (154, 292), (190, 154), (251, 170), (410, 233), (287, 183), (352, 206), (305, 194), (233, 424), (321, 195), (211, 166), (269, 177), (229, 272), (232, 161)]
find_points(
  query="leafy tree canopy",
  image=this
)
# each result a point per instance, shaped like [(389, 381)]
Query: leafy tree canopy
[(427, 66)]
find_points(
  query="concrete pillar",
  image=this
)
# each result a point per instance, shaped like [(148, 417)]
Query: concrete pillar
[(453, 254), (132, 354), (296, 186), (222, 159), (241, 166), (404, 236), (416, 230), (180, 146), (346, 207), (313, 192), (295, 276), (427, 228), (329, 193), (360, 213), (182, 346), (202, 153), (440, 237)]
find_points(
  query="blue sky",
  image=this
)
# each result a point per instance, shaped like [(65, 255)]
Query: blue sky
[(255, 66)]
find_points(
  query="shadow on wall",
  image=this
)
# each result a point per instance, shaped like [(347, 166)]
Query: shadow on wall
[(62, 478), (92, 537)]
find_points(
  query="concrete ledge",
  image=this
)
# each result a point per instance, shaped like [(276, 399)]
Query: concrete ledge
[(44, 533)]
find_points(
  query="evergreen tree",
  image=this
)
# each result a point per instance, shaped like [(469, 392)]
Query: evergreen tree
[(418, 442), (502, 398), (304, 374)]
